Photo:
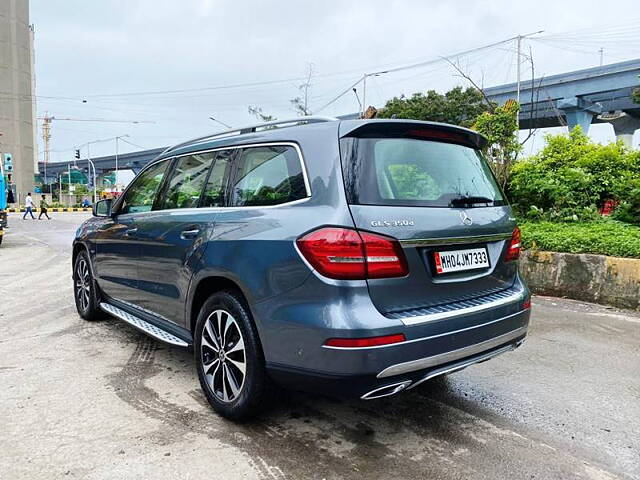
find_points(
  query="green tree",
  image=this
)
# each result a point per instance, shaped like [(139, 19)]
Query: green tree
[(457, 106), (500, 126), (635, 95)]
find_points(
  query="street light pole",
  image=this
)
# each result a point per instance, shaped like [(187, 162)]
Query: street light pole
[(95, 185), (116, 179), (94, 179)]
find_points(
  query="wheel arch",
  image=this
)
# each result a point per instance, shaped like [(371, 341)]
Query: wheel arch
[(77, 248), (203, 288)]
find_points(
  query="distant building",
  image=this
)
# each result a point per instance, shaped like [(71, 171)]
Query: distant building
[(17, 95)]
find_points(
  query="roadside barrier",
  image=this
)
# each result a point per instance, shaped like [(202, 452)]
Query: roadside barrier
[(54, 209), (593, 278)]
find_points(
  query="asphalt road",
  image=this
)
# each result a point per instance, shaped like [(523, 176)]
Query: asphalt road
[(100, 400)]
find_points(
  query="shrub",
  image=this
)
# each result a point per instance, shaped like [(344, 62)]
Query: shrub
[(604, 237), (572, 177), (629, 208)]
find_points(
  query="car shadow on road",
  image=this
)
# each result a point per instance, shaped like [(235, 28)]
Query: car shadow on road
[(300, 433)]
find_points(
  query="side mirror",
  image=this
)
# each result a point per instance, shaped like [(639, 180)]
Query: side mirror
[(102, 208)]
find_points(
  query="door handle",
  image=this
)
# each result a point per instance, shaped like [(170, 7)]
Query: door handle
[(130, 232), (189, 234)]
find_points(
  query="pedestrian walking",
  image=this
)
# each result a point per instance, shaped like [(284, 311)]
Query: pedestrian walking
[(28, 203), (43, 209)]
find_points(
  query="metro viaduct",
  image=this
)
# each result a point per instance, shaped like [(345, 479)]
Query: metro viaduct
[(594, 95), (126, 161)]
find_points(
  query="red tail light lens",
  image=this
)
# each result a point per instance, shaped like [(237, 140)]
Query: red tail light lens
[(513, 253), (365, 342), (347, 254), (526, 305)]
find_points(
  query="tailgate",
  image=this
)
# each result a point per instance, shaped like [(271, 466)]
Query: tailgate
[(433, 191)]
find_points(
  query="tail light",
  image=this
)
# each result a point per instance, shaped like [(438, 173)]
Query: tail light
[(365, 342), (348, 254), (513, 253), (526, 305)]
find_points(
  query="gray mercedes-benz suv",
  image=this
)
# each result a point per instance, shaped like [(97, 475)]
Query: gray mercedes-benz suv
[(355, 258)]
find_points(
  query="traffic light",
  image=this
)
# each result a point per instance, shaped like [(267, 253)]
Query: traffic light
[(8, 162), (77, 154)]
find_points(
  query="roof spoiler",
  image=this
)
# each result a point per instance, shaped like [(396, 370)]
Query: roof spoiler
[(414, 129)]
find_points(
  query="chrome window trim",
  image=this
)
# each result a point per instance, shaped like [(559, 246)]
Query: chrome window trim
[(303, 164), (423, 242), (303, 167), (430, 337), (451, 356)]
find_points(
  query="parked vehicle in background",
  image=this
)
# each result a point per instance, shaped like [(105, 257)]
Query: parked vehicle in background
[(357, 258)]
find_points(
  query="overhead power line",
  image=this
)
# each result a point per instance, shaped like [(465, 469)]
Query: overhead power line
[(422, 64)]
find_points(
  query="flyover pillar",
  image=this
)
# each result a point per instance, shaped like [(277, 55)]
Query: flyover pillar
[(624, 126), (578, 112)]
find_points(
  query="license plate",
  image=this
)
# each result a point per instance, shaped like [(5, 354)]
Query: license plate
[(460, 260)]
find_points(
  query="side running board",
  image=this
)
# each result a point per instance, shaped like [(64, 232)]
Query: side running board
[(143, 325)]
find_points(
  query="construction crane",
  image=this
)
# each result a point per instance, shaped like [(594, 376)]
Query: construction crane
[(46, 130)]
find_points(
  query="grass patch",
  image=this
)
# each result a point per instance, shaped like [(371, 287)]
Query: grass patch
[(605, 237)]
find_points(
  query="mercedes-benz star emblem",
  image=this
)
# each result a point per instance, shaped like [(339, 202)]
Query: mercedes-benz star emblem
[(466, 219)]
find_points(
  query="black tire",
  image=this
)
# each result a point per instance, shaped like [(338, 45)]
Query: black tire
[(221, 373), (85, 289)]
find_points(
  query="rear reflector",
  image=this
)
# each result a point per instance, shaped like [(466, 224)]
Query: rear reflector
[(365, 342), (513, 253), (348, 254)]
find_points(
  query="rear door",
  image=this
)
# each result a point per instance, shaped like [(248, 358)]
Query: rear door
[(172, 236), (431, 189)]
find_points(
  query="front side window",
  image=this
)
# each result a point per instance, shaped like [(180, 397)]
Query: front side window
[(268, 176), (186, 182), (142, 192)]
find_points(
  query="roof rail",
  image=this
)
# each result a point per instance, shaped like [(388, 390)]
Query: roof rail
[(254, 128)]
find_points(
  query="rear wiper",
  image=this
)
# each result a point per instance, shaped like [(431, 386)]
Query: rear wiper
[(467, 200)]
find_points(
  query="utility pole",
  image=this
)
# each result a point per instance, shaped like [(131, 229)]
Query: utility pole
[(46, 137), (601, 51), (519, 61)]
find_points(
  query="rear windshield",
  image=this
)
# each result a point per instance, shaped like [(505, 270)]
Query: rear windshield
[(412, 172)]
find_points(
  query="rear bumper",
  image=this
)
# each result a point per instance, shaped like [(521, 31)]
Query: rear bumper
[(294, 327), (370, 387)]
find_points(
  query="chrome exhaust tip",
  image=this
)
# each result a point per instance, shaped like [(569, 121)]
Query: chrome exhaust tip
[(386, 391)]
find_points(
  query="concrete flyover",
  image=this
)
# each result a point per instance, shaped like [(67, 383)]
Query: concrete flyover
[(126, 161), (594, 95)]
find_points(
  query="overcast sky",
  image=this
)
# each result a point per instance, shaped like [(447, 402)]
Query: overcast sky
[(114, 53)]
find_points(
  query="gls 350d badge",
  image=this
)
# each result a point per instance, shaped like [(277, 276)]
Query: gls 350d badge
[(392, 223)]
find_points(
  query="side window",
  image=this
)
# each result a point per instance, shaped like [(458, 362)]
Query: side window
[(142, 192), (186, 181), (268, 176), (214, 192)]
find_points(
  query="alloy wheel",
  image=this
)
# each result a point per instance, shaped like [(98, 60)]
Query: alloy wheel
[(223, 356), (83, 284)]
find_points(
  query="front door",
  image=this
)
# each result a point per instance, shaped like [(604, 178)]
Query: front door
[(117, 242)]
